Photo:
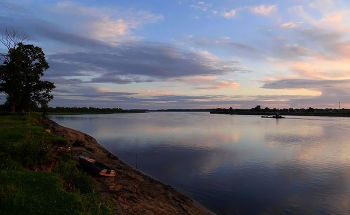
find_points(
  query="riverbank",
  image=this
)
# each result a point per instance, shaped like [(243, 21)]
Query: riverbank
[(131, 191)]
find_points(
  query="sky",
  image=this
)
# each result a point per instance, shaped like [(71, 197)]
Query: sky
[(162, 54)]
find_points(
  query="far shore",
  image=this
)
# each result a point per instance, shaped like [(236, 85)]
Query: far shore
[(131, 191), (316, 112), (221, 111)]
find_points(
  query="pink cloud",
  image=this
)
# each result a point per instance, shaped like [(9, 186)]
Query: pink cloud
[(209, 83), (289, 25), (158, 92), (229, 14), (106, 27), (334, 70), (264, 9), (103, 23)]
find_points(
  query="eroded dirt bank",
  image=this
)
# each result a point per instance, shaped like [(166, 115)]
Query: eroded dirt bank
[(132, 191)]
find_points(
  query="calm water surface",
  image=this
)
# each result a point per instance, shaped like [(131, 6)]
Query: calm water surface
[(235, 164)]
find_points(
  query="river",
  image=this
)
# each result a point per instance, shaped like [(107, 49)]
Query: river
[(234, 164)]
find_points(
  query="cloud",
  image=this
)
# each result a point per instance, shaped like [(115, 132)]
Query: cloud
[(326, 34), (102, 24), (229, 14), (239, 49), (341, 49), (261, 10), (88, 96), (264, 9), (204, 42), (172, 100), (106, 27), (94, 97), (72, 40), (225, 38), (137, 62), (208, 83), (63, 81), (304, 83), (39, 29), (78, 95), (331, 92), (290, 51), (88, 91), (101, 19), (289, 25), (202, 6), (322, 69), (319, 36), (326, 6), (206, 54)]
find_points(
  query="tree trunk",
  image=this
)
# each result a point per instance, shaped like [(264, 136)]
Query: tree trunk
[(12, 102)]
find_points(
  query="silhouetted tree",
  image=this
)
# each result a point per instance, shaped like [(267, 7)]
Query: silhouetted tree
[(21, 72), (257, 108)]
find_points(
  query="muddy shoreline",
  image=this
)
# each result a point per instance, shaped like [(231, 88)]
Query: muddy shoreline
[(131, 191)]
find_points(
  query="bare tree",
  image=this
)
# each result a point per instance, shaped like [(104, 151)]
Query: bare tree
[(11, 38)]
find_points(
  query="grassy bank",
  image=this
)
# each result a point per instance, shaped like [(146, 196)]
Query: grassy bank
[(37, 173)]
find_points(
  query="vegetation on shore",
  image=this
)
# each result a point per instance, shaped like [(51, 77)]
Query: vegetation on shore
[(89, 110), (284, 111), (78, 110), (38, 174)]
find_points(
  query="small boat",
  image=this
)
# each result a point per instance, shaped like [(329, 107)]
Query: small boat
[(95, 167), (277, 116)]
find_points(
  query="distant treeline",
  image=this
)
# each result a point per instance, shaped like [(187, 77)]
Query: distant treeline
[(182, 110), (253, 111), (82, 110), (285, 111)]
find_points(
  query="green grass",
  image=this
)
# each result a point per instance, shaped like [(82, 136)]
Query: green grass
[(29, 192), (24, 140), (14, 127), (24, 144)]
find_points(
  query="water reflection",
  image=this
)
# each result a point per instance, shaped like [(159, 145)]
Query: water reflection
[(235, 164)]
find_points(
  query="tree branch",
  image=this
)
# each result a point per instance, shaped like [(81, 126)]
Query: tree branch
[(12, 37)]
